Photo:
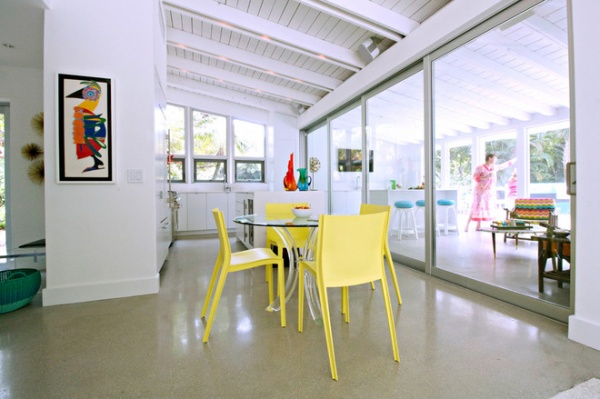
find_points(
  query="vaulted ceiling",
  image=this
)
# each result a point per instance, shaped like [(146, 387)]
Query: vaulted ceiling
[(284, 52)]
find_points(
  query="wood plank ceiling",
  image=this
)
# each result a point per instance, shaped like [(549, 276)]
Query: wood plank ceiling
[(292, 53)]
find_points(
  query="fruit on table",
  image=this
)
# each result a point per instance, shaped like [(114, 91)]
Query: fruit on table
[(302, 207)]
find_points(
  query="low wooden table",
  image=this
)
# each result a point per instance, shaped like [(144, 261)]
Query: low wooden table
[(493, 230)]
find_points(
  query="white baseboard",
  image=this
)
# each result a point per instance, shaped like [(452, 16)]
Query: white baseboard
[(98, 292), (585, 332)]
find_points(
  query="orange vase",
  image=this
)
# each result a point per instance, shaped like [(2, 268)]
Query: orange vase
[(289, 181)]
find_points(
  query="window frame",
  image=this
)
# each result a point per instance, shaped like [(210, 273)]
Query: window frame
[(177, 159), (248, 161), (229, 159), (209, 160)]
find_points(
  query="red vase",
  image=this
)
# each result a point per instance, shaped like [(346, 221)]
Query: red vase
[(289, 181)]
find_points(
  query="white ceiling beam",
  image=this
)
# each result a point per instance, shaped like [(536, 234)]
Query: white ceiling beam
[(260, 86), (354, 19), (221, 93), (504, 45), (376, 15), (548, 29), (262, 29), (250, 60)]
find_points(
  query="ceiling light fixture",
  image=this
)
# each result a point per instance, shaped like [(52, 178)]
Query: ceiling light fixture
[(8, 45)]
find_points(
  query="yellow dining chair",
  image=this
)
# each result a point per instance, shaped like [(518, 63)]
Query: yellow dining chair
[(366, 209), (228, 262), (298, 234), (284, 211), (345, 258)]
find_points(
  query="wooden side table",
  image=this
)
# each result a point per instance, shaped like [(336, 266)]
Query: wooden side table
[(557, 249)]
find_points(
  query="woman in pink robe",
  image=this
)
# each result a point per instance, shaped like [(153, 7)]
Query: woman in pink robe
[(485, 181)]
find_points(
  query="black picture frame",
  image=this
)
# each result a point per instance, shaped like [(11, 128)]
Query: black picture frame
[(85, 137)]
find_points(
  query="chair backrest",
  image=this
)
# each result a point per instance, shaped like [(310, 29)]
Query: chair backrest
[(349, 249), (225, 247), (368, 209), (537, 209), (283, 210)]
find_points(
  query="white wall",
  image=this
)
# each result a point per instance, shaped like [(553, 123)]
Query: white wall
[(101, 238), (22, 89), (584, 325)]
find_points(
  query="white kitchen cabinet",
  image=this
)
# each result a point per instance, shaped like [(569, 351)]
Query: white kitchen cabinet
[(196, 211), (243, 206), (226, 204), (182, 224)]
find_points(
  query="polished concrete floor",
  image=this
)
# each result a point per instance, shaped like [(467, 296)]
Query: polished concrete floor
[(453, 344)]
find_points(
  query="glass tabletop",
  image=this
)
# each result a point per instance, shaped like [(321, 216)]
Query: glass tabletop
[(262, 220)]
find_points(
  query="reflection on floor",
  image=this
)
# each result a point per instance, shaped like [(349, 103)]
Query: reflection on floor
[(453, 343), (471, 255)]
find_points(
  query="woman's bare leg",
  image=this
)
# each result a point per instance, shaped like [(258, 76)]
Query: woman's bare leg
[(468, 222)]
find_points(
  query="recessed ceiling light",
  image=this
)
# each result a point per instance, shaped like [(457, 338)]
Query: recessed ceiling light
[(8, 45)]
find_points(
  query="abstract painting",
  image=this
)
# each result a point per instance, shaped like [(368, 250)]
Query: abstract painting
[(85, 142)]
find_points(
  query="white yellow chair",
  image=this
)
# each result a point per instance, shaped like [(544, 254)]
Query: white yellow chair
[(345, 258), (228, 262)]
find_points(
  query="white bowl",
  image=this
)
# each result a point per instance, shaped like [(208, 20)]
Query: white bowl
[(302, 213)]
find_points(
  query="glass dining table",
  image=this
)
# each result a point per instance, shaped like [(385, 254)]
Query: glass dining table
[(282, 227)]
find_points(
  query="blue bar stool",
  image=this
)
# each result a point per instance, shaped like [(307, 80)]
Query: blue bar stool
[(448, 205), (420, 206), (403, 210)]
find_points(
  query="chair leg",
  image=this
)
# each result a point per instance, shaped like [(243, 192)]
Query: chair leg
[(280, 290), (390, 316), (390, 263), (269, 276), (327, 328), (301, 273), (346, 304), (414, 223), (211, 285), (215, 304)]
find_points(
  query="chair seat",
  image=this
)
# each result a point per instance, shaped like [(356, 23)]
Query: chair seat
[(445, 202), (251, 257), (420, 203), (404, 204)]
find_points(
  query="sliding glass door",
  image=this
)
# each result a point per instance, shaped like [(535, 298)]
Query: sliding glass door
[(346, 161), (395, 143), (498, 139)]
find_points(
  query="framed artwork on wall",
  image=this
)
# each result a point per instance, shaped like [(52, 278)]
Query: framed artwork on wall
[(85, 140)]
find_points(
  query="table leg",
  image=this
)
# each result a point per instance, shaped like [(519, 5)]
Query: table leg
[(541, 264), (494, 243), (292, 279)]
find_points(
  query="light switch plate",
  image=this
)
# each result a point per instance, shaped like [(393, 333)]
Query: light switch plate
[(135, 175)]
